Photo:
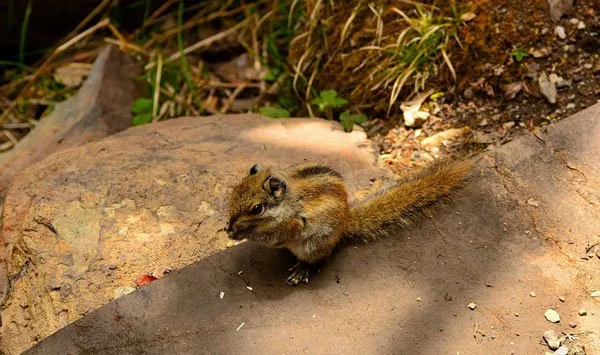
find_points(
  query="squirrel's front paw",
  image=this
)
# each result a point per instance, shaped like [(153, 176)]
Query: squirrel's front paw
[(299, 273)]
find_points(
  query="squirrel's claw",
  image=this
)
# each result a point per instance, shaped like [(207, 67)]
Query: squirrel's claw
[(299, 273)]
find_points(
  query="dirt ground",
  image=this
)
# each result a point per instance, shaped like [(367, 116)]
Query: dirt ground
[(482, 100)]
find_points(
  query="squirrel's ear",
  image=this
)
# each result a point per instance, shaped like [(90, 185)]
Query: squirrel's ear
[(275, 186), (255, 168)]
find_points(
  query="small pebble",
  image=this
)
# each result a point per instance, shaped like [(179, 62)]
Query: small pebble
[(516, 314), (572, 324), (574, 21), (240, 327), (561, 298), (508, 125), (221, 295), (418, 299), (532, 294), (581, 25), (552, 315), (559, 31), (249, 288), (583, 312), (472, 305), (571, 105), (563, 350), (596, 294)]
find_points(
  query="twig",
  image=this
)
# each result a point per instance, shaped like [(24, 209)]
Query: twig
[(127, 45), (231, 98), (10, 136), (89, 17), (157, 86), (69, 43)]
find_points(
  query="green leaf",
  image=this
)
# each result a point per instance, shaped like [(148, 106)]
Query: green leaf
[(328, 95), (142, 105), (328, 99), (319, 102), (348, 120), (272, 74), (142, 118), (436, 95), (274, 112), (358, 118), (519, 54)]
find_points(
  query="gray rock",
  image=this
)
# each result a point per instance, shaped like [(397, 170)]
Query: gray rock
[(547, 88), (551, 339), (563, 350), (558, 8)]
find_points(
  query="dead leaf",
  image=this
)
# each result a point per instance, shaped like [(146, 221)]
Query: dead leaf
[(511, 90), (72, 74), (468, 16), (143, 280)]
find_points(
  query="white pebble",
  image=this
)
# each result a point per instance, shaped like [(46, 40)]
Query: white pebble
[(560, 32), (249, 288), (221, 295), (552, 316), (240, 327), (581, 25), (472, 305)]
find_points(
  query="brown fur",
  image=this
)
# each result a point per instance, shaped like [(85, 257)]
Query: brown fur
[(306, 207)]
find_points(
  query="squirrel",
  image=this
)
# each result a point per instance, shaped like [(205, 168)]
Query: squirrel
[(305, 208)]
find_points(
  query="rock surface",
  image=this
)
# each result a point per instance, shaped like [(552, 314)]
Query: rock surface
[(81, 226), (100, 108), (489, 247), (558, 8)]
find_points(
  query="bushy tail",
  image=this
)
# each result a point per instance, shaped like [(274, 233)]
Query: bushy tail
[(385, 211)]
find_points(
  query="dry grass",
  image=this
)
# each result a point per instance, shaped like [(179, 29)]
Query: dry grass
[(374, 54)]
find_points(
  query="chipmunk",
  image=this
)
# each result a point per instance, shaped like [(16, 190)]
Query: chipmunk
[(305, 209)]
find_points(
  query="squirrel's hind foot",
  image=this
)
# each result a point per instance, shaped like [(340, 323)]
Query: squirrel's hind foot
[(299, 273)]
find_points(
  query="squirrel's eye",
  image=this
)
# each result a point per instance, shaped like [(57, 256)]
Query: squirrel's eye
[(257, 209)]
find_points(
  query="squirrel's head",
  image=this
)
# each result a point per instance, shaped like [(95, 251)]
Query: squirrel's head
[(256, 205)]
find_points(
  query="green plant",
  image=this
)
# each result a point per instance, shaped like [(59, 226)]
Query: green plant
[(274, 112), (327, 101), (24, 27), (142, 110), (185, 68), (348, 120), (519, 54)]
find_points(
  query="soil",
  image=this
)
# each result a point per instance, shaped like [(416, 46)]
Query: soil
[(479, 101)]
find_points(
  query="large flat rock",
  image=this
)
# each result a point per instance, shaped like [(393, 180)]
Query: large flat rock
[(523, 225), (82, 225)]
